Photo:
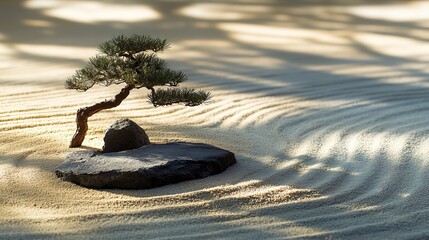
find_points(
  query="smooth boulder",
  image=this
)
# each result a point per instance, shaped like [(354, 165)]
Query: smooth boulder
[(146, 167), (124, 134)]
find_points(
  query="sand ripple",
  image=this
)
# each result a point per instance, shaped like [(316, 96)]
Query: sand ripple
[(331, 138)]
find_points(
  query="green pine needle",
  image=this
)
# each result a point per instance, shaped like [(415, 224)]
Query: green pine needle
[(124, 46), (190, 97), (133, 60)]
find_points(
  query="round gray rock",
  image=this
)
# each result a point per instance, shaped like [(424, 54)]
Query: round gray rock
[(124, 134), (146, 167)]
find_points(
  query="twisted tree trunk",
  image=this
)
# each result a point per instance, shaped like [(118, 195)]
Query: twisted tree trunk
[(84, 113)]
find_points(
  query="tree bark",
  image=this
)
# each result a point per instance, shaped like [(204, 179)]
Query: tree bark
[(84, 113)]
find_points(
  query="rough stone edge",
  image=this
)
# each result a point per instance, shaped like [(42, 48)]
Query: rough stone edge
[(112, 178)]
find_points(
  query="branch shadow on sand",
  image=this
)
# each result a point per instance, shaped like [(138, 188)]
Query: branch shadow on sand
[(360, 141)]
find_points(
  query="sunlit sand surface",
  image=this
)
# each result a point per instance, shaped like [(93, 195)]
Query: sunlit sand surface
[(325, 106)]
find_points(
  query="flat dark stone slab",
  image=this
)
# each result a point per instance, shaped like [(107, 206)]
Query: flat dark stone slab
[(146, 167)]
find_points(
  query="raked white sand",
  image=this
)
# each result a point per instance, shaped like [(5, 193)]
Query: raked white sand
[(325, 105)]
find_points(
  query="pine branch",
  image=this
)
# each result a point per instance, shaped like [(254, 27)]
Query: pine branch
[(148, 60), (161, 77), (190, 97), (82, 80), (84, 113), (126, 60), (128, 46)]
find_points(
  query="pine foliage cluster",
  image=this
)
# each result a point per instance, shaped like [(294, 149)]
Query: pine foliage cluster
[(133, 60), (190, 97)]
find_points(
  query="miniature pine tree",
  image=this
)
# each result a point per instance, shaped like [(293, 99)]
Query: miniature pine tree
[(133, 61)]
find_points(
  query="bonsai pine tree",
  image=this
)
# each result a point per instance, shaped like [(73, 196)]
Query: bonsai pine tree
[(131, 61)]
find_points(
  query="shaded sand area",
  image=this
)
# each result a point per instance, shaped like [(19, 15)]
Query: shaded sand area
[(325, 105)]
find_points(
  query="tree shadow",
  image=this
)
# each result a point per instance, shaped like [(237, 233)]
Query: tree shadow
[(336, 144)]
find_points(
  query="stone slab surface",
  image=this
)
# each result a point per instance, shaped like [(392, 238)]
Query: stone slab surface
[(146, 167)]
